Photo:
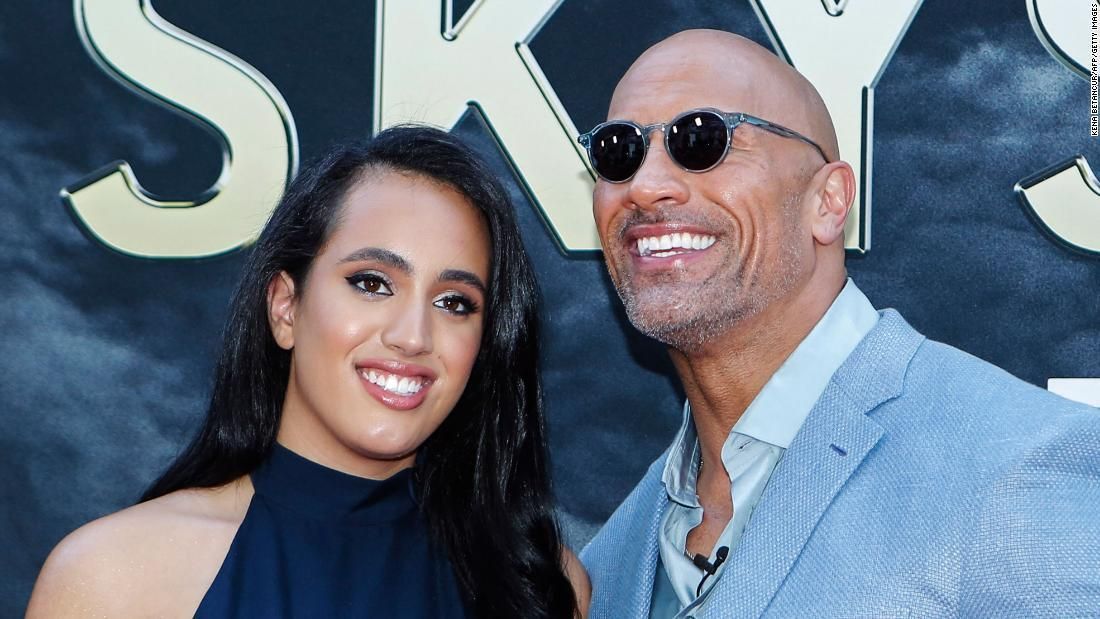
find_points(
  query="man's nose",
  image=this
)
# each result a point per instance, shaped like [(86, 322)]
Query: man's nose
[(659, 181), (409, 332)]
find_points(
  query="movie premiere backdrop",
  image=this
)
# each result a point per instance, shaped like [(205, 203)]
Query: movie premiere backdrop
[(144, 142)]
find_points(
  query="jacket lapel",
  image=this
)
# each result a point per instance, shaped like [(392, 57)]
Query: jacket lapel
[(640, 583), (832, 443), (622, 560)]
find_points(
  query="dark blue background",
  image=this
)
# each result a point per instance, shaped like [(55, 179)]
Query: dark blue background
[(105, 360)]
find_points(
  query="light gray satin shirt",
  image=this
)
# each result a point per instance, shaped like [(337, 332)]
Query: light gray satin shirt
[(751, 451)]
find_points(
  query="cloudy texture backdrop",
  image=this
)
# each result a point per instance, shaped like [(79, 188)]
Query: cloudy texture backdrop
[(105, 360)]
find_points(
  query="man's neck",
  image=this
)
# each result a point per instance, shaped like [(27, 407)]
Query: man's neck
[(722, 380)]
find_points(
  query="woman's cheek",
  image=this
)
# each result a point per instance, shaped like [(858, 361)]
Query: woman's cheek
[(462, 353)]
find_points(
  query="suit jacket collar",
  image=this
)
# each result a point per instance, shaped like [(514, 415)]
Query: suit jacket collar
[(830, 446)]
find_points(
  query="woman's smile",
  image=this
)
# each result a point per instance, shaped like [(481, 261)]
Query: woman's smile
[(398, 385)]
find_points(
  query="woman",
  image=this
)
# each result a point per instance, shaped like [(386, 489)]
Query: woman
[(374, 444)]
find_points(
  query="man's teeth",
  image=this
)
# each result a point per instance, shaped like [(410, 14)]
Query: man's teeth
[(662, 245), (401, 385)]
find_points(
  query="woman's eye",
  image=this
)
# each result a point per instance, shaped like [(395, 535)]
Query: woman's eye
[(370, 284), (456, 304)]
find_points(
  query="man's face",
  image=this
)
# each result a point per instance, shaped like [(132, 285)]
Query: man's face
[(745, 216)]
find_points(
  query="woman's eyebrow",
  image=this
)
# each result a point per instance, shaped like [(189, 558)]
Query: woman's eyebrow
[(377, 254), (464, 277)]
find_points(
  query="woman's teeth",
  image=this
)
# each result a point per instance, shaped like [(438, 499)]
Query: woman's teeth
[(661, 246), (401, 385)]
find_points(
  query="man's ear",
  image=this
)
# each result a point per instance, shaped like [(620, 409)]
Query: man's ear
[(281, 304), (837, 190)]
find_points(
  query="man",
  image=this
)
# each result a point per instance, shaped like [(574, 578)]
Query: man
[(832, 461)]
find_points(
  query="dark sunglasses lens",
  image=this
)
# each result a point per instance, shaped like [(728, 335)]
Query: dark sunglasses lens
[(697, 141), (617, 151)]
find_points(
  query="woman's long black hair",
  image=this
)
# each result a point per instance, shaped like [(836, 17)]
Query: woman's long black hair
[(482, 476)]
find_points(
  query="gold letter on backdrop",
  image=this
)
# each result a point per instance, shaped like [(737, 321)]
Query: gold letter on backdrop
[(147, 54), (843, 49), (1085, 390), (423, 74), (1065, 199), (1063, 28)]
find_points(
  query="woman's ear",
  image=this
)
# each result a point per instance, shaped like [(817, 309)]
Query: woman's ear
[(281, 304)]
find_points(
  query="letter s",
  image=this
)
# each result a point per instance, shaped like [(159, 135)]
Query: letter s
[(133, 44)]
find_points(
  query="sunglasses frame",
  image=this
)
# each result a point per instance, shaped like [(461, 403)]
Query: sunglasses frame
[(731, 119)]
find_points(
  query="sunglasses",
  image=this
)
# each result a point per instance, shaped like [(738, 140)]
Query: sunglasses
[(696, 140)]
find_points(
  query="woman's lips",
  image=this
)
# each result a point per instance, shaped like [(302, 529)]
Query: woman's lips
[(397, 385)]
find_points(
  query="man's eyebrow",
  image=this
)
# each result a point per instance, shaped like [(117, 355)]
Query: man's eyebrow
[(465, 277), (377, 254)]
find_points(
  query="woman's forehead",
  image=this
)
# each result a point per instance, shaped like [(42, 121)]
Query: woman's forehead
[(421, 219)]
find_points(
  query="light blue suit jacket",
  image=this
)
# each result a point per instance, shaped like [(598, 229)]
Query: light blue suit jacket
[(924, 483)]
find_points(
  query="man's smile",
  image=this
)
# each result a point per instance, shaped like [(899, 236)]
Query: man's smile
[(667, 244), (673, 244)]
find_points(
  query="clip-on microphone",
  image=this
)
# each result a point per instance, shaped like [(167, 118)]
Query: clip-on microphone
[(702, 563)]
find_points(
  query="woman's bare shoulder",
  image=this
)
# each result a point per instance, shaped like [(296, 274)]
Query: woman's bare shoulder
[(154, 558)]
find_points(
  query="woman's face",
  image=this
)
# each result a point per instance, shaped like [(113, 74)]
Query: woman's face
[(384, 333)]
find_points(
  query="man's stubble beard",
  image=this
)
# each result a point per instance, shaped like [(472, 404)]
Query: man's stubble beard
[(688, 316)]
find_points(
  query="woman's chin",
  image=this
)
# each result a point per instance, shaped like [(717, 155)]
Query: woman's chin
[(391, 450)]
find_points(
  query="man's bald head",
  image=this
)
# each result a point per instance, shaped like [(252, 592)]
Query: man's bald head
[(711, 68)]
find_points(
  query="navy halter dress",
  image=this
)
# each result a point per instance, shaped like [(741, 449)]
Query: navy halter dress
[(316, 542)]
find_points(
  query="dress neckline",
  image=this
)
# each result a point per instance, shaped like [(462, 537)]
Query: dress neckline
[(311, 489)]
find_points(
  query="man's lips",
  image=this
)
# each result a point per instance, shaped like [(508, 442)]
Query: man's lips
[(398, 385), (667, 240)]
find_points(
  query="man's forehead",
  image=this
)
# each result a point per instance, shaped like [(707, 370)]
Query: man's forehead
[(657, 92), (697, 69)]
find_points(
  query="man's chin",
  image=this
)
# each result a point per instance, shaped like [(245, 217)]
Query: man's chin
[(688, 338), (676, 324), (687, 318)]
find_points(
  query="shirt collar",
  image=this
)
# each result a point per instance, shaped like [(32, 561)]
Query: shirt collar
[(778, 411), (682, 466)]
